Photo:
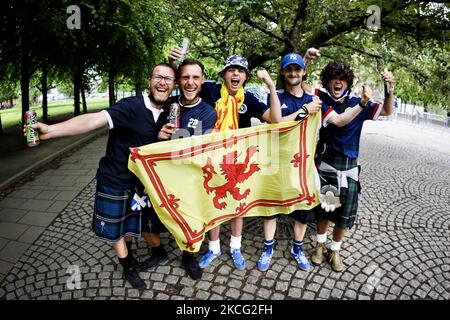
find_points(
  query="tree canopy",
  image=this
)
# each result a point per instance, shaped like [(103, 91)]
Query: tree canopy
[(118, 40)]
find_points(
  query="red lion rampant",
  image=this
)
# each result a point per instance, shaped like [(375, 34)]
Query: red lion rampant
[(234, 173)]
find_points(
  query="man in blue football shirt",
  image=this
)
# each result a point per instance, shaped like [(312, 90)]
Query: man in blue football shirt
[(340, 150), (296, 104)]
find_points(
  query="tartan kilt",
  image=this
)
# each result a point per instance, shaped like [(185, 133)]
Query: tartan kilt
[(346, 215), (113, 217), (305, 216)]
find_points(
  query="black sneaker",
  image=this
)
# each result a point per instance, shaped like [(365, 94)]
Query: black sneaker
[(132, 276), (190, 264), (154, 260)]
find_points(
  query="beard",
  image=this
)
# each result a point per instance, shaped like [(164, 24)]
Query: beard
[(292, 82), (156, 101)]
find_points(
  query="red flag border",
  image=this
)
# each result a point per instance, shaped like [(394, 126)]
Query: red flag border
[(170, 202)]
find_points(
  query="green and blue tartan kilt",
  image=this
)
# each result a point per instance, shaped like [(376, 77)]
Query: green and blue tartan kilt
[(113, 217), (346, 215)]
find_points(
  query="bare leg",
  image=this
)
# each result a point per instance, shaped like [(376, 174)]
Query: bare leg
[(236, 227), (338, 234), (299, 231), (322, 226), (214, 233), (270, 227), (121, 248), (153, 239)]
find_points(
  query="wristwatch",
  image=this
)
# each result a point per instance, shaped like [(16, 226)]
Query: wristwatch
[(302, 115)]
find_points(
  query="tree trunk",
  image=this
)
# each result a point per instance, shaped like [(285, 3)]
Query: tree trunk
[(76, 91), (25, 85), (1, 127), (44, 91), (83, 99), (111, 89), (138, 89)]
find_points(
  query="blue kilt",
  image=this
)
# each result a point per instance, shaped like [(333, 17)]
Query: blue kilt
[(113, 217)]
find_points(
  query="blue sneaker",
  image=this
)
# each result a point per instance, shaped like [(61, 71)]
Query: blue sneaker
[(266, 257), (238, 259), (207, 258), (302, 261)]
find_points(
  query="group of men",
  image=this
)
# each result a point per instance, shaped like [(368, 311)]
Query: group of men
[(209, 106)]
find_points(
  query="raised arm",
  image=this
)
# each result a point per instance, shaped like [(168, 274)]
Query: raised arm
[(274, 115), (388, 105), (349, 114), (310, 55), (72, 127), (174, 54)]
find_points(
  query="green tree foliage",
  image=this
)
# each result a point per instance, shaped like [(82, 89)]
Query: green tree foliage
[(116, 39), (413, 36)]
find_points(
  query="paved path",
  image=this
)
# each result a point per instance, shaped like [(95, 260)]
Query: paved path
[(398, 250)]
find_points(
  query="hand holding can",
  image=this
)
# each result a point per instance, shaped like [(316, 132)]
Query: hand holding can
[(31, 134), (174, 115), (184, 45)]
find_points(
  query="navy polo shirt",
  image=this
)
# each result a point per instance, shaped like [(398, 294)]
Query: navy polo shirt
[(132, 123)]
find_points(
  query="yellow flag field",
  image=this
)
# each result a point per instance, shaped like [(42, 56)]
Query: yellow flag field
[(197, 183)]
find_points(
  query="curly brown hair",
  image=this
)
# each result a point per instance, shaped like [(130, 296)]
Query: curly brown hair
[(337, 69)]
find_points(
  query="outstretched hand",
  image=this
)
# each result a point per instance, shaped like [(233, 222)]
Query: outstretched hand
[(42, 128)]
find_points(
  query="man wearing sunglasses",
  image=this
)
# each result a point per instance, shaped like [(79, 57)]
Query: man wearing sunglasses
[(132, 122)]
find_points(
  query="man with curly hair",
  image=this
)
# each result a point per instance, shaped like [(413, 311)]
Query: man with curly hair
[(297, 104), (339, 150)]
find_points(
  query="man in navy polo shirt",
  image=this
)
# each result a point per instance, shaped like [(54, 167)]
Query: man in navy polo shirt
[(340, 149), (133, 122), (297, 104), (196, 118)]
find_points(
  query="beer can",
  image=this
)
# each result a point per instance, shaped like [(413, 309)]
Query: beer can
[(174, 114), (32, 135), (184, 45)]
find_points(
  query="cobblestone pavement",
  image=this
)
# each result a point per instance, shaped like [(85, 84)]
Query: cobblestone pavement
[(398, 250)]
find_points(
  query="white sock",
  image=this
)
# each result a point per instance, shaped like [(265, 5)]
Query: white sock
[(335, 246), (235, 242), (322, 238), (214, 246)]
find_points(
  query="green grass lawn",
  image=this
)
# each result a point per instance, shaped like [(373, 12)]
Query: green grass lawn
[(12, 117)]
